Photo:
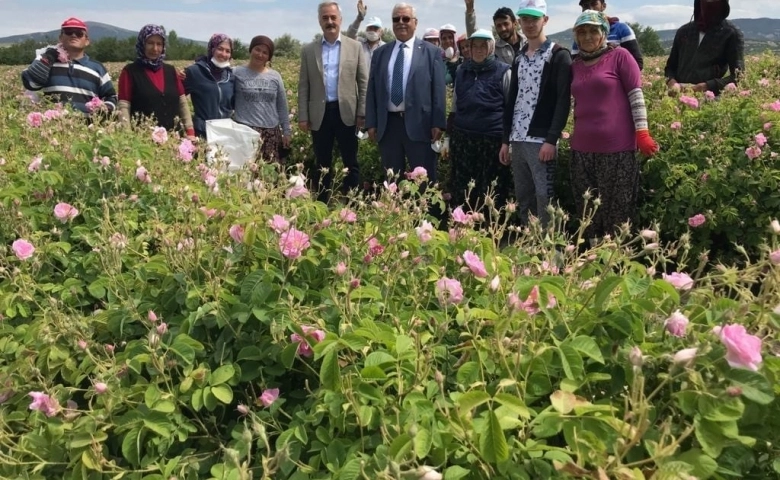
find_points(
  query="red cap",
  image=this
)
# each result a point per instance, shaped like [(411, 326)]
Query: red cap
[(74, 22)]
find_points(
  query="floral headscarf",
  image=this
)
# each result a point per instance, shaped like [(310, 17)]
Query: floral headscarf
[(214, 42), (140, 46)]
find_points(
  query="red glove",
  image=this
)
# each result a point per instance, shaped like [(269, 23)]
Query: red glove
[(645, 143)]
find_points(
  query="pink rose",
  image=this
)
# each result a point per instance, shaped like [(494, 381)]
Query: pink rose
[(44, 403), (94, 104), (101, 388), (35, 165), (279, 224), (449, 291), (269, 396), (143, 175), (680, 281), (297, 191), (774, 106), (676, 324), (65, 212), (304, 348), (186, 149), (35, 119), (424, 231), (768, 126), (159, 135), (391, 187), (418, 173), (774, 257), (23, 249), (475, 264), (675, 125), (753, 152), (697, 220), (347, 215), (709, 95), (293, 242), (162, 328), (685, 357), (760, 140), (151, 316), (742, 350), (459, 216), (236, 232), (690, 101), (341, 269)]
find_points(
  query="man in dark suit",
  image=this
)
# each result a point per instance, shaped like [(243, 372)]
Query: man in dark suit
[(332, 98), (405, 109)]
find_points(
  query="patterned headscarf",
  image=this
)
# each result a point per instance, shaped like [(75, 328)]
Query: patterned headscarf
[(214, 42), (140, 46), (593, 17)]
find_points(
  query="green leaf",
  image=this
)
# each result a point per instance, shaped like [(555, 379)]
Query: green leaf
[(84, 439), (131, 446), (221, 375), (422, 443), (571, 361), (288, 355), (403, 343), (89, 460), (514, 404), (330, 372), (468, 373), (401, 447), (254, 289), (603, 291), (165, 406), (350, 470), (250, 353), (754, 386), (97, 288), (223, 393), (470, 400), (456, 472), (152, 395), (373, 373), (209, 400), (492, 443), (721, 410), (379, 359), (197, 399), (587, 346), (354, 342), (710, 436)]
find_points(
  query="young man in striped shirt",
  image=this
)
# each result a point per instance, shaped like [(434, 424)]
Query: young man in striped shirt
[(70, 76)]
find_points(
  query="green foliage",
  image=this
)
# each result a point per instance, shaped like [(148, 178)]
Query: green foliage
[(529, 377), (648, 39)]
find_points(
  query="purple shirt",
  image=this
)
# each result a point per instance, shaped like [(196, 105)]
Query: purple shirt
[(602, 113)]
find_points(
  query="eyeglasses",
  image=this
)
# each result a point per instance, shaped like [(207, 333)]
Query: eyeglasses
[(403, 19), (69, 32)]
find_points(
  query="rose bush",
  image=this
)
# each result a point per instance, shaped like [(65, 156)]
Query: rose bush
[(192, 324)]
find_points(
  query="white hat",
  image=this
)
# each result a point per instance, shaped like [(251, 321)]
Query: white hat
[(431, 33), (483, 34), (374, 22), (447, 27), (532, 8)]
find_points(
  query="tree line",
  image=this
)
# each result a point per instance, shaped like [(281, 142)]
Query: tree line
[(112, 49)]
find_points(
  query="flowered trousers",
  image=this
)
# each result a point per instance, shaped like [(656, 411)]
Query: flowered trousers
[(475, 157), (614, 178), (271, 141)]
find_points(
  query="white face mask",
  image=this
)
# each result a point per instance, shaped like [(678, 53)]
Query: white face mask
[(372, 36), (449, 53), (219, 64)]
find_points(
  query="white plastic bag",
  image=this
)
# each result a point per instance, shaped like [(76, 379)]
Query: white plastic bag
[(231, 143)]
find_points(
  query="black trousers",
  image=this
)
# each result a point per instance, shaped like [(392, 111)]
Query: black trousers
[(331, 131), (395, 147)]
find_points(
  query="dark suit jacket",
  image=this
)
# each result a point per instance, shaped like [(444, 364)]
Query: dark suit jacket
[(424, 99)]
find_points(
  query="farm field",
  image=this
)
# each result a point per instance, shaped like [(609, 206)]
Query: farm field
[(161, 319)]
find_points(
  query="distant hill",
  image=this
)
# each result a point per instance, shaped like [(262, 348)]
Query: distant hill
[(97, 31), (760, 34)]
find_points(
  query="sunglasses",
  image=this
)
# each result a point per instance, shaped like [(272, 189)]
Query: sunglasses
[(70, 32), (403, 19)]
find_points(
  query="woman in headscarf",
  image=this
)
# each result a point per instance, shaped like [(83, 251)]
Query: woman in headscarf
[(210, 83), (481, 91), (610, 122), (261, 101), (149, 87), (463, 47), (450, 54)]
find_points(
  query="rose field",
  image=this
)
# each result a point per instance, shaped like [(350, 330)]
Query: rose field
[(163, 319)]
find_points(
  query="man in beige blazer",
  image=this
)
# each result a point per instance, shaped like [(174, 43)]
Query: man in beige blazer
[(332, 99)]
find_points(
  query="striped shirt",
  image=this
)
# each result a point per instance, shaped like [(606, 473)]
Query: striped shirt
[(76, 82)]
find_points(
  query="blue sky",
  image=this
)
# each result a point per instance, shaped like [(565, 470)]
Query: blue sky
[(243, 19)]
